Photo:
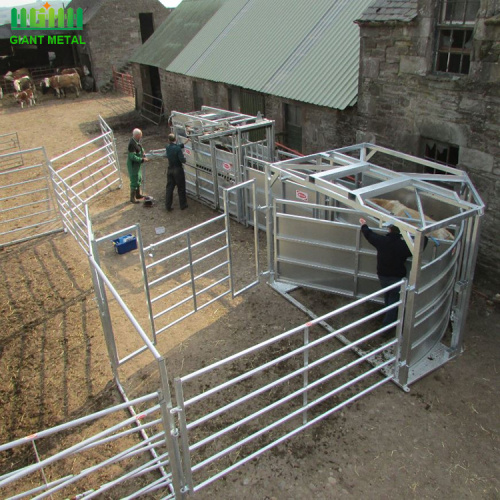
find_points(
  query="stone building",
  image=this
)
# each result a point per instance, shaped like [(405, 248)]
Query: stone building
[(113, 30), (295, 62), (419, 76), (429, 85)]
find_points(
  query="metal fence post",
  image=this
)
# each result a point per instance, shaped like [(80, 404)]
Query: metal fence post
[(102, 302), (171, 432), (269, 221), (225, 196), (305, 376)]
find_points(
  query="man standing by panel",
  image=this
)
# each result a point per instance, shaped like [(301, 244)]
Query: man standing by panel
[(135, 159), (175, 174)]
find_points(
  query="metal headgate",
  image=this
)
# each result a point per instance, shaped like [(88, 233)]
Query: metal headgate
[(216, 142), (28, 210)]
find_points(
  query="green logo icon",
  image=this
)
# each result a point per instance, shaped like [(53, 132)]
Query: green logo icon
[(46, 18)]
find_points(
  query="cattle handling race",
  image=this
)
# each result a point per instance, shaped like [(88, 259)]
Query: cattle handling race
[(228, 275)]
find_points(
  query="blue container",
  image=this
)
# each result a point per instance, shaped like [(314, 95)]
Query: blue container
[(125, 244)]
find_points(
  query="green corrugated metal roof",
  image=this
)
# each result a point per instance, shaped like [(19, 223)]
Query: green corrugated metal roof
[(176, 32), (305, 51)]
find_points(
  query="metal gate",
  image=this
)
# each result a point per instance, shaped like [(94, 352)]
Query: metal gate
[(190, 270), (279, 388), (28, 209), (152, 108), (9, 143), (81, 174), (123, 82)]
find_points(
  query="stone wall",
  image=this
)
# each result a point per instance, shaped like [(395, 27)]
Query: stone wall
[(113, 34), (402, 100)]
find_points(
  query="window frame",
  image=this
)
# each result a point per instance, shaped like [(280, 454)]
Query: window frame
[(424, 141), (460, 31)]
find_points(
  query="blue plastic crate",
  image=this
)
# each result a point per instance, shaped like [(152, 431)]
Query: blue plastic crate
[(125, 243)]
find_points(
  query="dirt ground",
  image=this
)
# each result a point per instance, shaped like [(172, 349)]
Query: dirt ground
[(441, 440)]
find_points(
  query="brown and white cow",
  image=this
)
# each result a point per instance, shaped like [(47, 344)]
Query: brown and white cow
[(81, 70), (61, 82), (23, 83), (25, 97), (18, 73)]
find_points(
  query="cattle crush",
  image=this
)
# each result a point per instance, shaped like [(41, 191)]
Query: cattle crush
[(191, 432)]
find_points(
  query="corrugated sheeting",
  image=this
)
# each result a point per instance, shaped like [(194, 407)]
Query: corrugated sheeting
[(305, 51), (168, 41)]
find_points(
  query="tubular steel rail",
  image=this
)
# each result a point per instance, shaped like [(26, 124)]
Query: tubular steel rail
[(152, 108), (123, 82), (90, 168), (9, 143), (27, 207), (51, 473), (296, 379)]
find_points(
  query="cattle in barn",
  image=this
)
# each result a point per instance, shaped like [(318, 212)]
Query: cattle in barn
[(23, 83), (18, 73), (81, 70), (395, 207), (61, 82), (25, 97)]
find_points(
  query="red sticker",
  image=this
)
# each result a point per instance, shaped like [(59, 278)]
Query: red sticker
[(227, 166), (188, 151), (301, 195)]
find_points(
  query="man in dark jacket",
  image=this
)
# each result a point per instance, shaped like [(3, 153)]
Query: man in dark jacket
[(392, 252), (135, 159), (175, 174)]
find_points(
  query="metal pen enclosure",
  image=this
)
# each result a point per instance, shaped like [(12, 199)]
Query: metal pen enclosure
[(309, 208)]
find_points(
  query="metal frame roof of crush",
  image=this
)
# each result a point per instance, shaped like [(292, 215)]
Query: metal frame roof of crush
[(350, 176)]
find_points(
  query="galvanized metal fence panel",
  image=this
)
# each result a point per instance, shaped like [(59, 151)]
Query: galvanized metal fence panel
[(27, 206), (9, 143), (320, 250), (123, 82), (90, 168), (190, 270), (77, 469), (232, 411), (73, 210), (152, 108), (187, 272)]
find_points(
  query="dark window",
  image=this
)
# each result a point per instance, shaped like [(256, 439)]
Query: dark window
[(455, 35), (293, 127), (146, 25), (459, 11), (454, 51), (252, 103), (197, 95), (440, 152)]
